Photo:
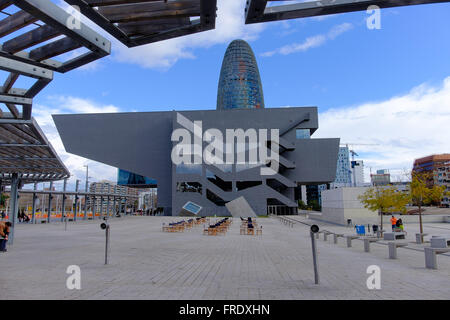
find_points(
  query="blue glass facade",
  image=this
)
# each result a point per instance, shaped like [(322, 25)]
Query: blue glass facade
[(126, 178), (343, 171), (302, 133), (239, 83)]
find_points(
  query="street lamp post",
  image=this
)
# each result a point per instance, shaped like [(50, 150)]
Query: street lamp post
[(86, 190)]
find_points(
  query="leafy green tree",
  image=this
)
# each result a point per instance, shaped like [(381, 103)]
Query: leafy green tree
[(384, 200), (302, 205), (314, 205)]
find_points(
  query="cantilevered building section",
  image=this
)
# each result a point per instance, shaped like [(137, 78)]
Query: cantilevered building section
[(302, 160), (239, 84)]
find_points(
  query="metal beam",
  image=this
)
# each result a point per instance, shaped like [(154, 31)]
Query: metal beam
[(256, 10), (15, 100), (14, 205), (56, 17), (145, 21), (100, 20), (28, 70)]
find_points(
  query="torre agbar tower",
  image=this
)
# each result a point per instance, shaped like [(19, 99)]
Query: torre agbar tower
[(239, 83), (145, 143)]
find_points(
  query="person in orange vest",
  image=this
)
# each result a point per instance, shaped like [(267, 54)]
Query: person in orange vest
[(393, 223)]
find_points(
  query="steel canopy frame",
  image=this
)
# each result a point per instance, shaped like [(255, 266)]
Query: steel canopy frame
[(56, 24), (13, 96), (139, 22), (26, 152), (257, 11)]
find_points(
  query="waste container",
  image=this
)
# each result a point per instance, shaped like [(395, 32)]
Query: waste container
[(375, 228), (360, 229)]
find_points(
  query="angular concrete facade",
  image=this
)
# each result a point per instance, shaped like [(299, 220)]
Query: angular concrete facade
[(143, 145)]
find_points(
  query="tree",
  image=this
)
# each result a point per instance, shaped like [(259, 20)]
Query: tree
[(384, 200), (302, 205), (314, 205), (3, 198), (423, 192)]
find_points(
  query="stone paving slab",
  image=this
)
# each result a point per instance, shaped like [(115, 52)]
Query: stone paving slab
[(146, 263)]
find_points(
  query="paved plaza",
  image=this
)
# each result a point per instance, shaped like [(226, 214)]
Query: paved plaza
[(146, 263)]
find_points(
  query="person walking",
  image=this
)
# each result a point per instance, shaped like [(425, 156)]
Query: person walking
[(393, 223), (4, 232)]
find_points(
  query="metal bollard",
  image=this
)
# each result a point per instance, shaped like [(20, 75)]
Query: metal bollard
[(314, 229), (366, 245), (105, 226)]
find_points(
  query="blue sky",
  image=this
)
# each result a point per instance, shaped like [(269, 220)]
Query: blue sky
[(360, 79)]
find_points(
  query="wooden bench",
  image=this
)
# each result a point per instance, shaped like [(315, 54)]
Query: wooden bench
[(349, 240), (430, 256), (393, 245)]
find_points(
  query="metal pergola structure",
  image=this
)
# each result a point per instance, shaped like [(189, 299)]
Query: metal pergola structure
[(257, 10), (92, 196), (37, 37), (31, 52), (25, 151), (138, 22)]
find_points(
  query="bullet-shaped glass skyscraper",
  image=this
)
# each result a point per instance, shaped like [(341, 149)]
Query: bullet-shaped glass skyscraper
[(239, 83)]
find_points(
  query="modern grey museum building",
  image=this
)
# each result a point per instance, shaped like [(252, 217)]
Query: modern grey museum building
[(143, 143)]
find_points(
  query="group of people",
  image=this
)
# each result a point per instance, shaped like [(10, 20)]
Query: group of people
[(397, 224), (23, 217)]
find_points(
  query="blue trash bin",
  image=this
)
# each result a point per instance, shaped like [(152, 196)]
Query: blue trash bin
[(360, 230)]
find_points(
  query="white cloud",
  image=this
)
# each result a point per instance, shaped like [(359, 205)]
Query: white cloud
[(230, 24), (404, 127), (65, 105), (311, 42)]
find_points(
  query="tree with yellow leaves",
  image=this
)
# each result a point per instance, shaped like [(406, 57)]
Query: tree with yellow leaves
[(384, 200), (423, 192)]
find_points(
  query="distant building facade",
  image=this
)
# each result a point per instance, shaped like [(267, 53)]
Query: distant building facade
[(240, 117), (101, 203), (430, 163), (357, 173), (381, 178), (343, 171), (442, 178)]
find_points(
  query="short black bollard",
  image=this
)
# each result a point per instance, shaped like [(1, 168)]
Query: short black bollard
[(105, 226), (315, 229)]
